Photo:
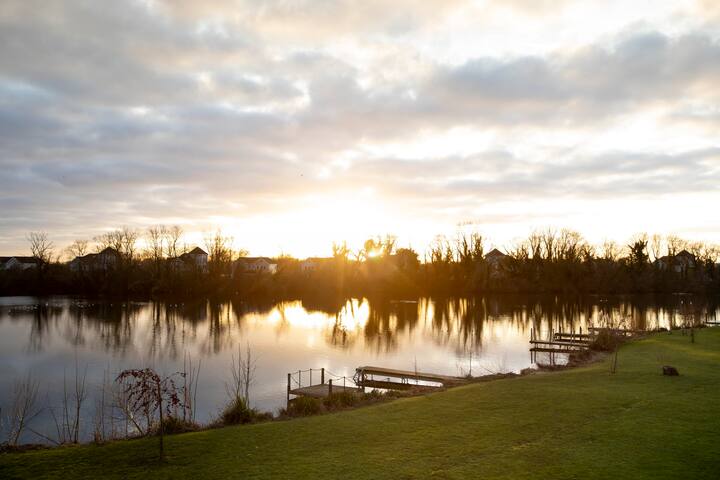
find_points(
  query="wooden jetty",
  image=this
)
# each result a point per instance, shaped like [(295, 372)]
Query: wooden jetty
[(334, 384), (561, 343), (566, 343), (400, 379), (628, 332), (300, 383), (322, 390), (573, 336)]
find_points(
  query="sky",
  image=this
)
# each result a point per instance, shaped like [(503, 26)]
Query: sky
[(290, 124)]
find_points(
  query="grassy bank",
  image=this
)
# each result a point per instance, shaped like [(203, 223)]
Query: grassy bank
[(581, 423)]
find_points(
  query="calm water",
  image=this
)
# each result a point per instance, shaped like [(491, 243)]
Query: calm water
[(46, 337)]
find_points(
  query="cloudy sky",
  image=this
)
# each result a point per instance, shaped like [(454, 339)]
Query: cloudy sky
[(293, 123)]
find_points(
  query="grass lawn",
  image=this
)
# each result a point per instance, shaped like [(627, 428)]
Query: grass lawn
[(582, 423)]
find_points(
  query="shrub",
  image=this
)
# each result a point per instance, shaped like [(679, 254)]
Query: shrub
[(304, 406), (172, 425), (606, 341), (341, 400), (373, 395), (397, 393), (237, 412)]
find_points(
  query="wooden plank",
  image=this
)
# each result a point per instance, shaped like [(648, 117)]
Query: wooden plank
[(619, 330), (560, 343), (563, 335), (321, 391), (409, 375), (557, 350), (392, 385)]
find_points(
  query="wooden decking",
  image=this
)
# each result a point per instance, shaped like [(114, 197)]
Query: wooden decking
[(364, 376), (562, 343), (322, 390), (573, 336), (335, 384)]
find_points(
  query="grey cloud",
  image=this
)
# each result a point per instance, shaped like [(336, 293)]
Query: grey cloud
[(589, 84), (499, 175), (103, 117)]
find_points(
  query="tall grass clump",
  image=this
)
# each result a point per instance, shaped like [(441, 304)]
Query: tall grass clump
[(237, 412), (304, 407)]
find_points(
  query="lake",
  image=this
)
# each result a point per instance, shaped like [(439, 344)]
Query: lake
[(48, 337)]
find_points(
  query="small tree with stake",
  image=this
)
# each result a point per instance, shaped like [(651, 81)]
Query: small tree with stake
[(146, 391)]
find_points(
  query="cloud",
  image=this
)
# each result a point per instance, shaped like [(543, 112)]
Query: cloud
[(139, 112)]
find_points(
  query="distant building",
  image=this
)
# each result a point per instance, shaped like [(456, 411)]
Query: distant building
[(404, 259), (194, 260), (105, 260), (495, 257), (495, 260), (255, 265), (19, 263), (311, 264), (682, 262), (197, 257)]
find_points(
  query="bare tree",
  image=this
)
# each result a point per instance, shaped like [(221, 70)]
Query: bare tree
[(77, 248), (220, 251), (571, 246), (147, 391), (549, 243), (535, 242), (440, 251), (156, 237), (656, 246), (68, 425), (610, 250), (40, 246), (675, 244), (172, 240), (340, 250), (129, 238), (242, 374), (519, 250), (469, 247), (22, 408), (123, 241), (190, 375), (108, 240)]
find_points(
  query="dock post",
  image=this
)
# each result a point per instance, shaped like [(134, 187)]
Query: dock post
[(311, 377), (287, 400), (330, 387), (322, 375)]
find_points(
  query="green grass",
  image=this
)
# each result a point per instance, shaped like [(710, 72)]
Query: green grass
[(582, 423)]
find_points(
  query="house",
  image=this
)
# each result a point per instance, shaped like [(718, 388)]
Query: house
[(197, 258), (194, 260), (255, 265), (495, 257), (312, 264), (405, 259), (105, 260), (20, 263), (682, 262)]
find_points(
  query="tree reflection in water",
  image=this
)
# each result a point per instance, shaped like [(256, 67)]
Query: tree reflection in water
[(441, 334)]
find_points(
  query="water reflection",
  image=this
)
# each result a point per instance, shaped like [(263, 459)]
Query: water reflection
[(441, 335), (214, 327)]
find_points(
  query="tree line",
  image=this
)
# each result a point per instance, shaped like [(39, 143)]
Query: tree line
[(546, 261)]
